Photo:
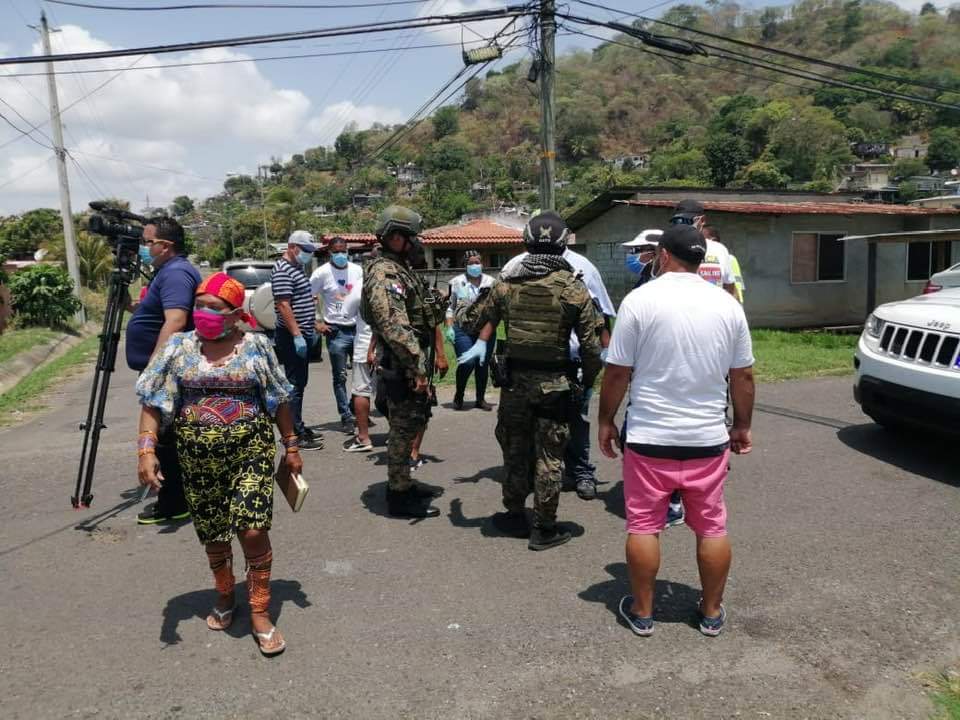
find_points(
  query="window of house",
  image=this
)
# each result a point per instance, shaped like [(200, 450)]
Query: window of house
[(926, 258), (818, 257)]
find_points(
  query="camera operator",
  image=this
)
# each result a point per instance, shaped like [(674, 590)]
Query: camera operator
[(165, 309)]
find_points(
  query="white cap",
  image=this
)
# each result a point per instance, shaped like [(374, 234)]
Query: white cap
[(647, 237), (304, 240)]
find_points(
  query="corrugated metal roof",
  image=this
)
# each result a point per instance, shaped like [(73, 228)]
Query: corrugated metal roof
[(800, 208), (475, 232)]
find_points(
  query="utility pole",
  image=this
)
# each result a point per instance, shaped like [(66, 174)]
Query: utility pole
[(263, 209), (69, 238), (548, 53)]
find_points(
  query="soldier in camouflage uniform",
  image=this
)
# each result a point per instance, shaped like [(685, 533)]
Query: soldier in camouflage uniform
[(541, 302), (403, 314)]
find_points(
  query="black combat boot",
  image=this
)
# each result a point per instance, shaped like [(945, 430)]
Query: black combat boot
[(546, 538), (512, 524), (409, 505)]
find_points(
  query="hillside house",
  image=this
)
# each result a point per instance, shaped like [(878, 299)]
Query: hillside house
[(909, 146), (798, 272)]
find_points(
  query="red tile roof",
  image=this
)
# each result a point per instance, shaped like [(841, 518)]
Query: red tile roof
[(801, 208), (351, 238), (475, 232)]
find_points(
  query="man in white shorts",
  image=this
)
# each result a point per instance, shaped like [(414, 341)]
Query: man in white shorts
[(363, 384)]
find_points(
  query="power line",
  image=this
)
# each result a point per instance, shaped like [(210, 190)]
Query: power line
[(361, 29), (201, 63), (416, 118), (677, 59), (145, 165), (785, 53), (239, 6), (787, 70), (27, 173)]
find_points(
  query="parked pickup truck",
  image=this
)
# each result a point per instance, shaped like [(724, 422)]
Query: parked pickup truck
[(908, 370)]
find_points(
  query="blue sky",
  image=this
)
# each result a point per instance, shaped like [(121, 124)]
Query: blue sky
[(204, 122)]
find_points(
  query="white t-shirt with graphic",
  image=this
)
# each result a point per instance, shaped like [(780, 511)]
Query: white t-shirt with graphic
[(681, 336), (716, 268), (338, 292)]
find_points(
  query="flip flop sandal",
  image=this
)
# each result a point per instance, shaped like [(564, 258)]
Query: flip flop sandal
[(267, 637), (221, 619)]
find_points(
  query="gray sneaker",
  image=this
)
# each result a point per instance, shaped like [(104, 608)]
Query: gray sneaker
[(587, 489)]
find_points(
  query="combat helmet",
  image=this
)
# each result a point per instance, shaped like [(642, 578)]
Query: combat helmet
[(397, 218), (546, 233)]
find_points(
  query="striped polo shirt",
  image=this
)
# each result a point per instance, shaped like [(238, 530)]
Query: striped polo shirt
[(289, 282)]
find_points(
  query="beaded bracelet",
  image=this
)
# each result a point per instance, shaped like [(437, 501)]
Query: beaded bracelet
[(292, 450), (145, 442), (146, 451), (291, 441)]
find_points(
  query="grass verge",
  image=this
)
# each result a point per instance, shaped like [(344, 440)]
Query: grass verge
[(944, 689), (780, 355), (27, 394), (14, 342)]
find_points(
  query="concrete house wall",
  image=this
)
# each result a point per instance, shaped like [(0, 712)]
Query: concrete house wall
[(763, 245)]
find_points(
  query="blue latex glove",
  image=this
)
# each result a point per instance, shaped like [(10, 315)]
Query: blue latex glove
[(300, 345), (448, 333), (603, 355), (477, 352)]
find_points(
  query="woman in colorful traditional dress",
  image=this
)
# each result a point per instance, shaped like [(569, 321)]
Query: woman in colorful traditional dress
[(221, 389)]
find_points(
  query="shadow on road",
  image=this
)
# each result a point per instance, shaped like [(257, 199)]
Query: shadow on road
[(672, 602), (924, 456), (197, 604), (485, 522), (490, 473), (613, 500), (374, 499)]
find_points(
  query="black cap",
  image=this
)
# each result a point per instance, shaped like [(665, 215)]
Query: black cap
[(692, 208), (685, 242)]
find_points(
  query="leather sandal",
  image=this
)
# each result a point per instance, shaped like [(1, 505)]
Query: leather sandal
[(270, 643), (221, 619)]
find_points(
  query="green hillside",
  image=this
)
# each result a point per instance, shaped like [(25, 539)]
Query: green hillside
[(697, 121)]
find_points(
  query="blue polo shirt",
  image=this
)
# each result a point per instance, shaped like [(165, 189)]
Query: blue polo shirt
[(172, 288)]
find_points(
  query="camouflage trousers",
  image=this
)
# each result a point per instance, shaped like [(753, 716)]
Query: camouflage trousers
[(533, 440), (407, 418)]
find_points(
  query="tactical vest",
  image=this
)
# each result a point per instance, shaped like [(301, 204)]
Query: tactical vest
[(425, 306), (537, 332)]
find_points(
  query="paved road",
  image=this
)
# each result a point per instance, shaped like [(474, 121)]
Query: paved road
[(844, 586)]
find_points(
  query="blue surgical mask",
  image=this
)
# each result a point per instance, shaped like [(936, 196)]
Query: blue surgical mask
[(475, 270), (145, 257), (339, 259), (304, 257), (634, 264)]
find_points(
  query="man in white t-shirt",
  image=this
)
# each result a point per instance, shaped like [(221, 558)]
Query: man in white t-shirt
[(675, 341), (716, 268), (579, 472), (337, 285)]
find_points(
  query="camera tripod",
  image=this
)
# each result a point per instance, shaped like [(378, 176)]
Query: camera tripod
[(128, 267)]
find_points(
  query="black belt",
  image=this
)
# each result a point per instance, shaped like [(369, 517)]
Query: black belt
[(541, 365)]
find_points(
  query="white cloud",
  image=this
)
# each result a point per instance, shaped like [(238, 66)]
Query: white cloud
[(201, 121), (334, 118)]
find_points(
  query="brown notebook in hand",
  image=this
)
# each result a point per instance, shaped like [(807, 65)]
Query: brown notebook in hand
[(293, 487)]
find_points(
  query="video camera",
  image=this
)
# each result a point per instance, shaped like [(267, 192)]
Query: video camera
[(123, 237)]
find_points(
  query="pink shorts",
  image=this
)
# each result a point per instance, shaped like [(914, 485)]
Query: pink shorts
[(648, 483)]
